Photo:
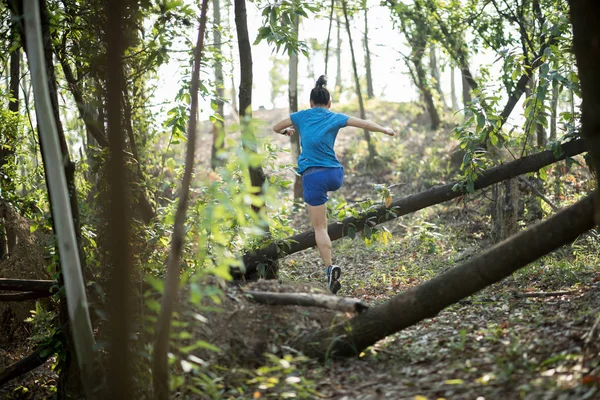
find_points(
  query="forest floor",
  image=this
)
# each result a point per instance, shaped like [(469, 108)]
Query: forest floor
[(530, 336)]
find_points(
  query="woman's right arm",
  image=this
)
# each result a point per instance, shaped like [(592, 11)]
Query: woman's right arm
[(369, 125), (284, 127)]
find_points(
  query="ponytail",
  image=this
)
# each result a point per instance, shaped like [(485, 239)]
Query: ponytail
[(320, 95)]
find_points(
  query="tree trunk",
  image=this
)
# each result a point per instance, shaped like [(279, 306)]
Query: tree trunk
[(586, 39), (372, 152), (530, 123), (370, 93), (435, 73), (73, 312), (160, 361), (8, 239), (257, 175), (218, 130), (329, 36), (553, 110), (338, 58), (426, 91), (407, 205), (350, 338), (455, 106), (506, 209), (466, 90), (118, 115), (293, 102)]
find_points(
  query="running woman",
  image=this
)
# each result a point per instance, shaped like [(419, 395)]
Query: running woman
[(320, 169)]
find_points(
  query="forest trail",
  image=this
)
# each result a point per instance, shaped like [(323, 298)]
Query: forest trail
[(512, 340)]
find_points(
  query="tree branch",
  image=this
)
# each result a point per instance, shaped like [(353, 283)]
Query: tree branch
[(331, 302), (25, 365)]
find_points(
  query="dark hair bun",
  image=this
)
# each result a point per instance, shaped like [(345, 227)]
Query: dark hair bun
[(322, 81)]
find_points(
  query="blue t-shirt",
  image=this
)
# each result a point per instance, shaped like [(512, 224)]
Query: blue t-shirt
[(318, 127)]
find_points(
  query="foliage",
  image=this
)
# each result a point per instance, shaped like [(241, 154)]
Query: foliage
[(278, 24), (280, 379)]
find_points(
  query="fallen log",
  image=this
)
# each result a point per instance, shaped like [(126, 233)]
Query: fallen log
[(29, 363), (23, 296), (406, 205), (344, 304), (427, 300), (28, 285)]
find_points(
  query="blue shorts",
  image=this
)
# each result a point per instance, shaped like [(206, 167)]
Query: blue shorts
[(317, 181)]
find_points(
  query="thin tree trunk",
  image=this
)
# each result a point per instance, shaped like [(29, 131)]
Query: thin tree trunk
[(426, 91), (120, 360), (15, 72), (505, 216), (409, 204), (530, 123), (293, 102), (466, 90), (455, 106), (435, 73), (338, 58), (8, 239), (160, 364), (553, 110), (370, 93), (367, 135), (59, 174), (218, 126), (329, 36), (257, 175), (351, 337)]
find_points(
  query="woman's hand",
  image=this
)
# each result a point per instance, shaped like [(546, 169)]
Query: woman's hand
[(389, 131), (288, 131)]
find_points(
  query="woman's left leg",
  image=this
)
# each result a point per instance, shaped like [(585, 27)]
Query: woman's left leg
[(318, 219)]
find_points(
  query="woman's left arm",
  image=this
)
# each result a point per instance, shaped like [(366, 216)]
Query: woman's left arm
[(283, 124)]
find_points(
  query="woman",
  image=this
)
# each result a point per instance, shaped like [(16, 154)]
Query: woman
[(320, 169)]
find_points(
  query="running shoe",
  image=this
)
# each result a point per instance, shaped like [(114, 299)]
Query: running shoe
[(333, 273)]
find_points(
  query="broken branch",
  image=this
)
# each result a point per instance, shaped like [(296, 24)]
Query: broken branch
[(345, 304)]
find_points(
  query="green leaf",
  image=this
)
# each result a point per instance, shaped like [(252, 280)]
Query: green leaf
[(470, 187), (480, 121), (543, 175), (351, 232), (200, 344)]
